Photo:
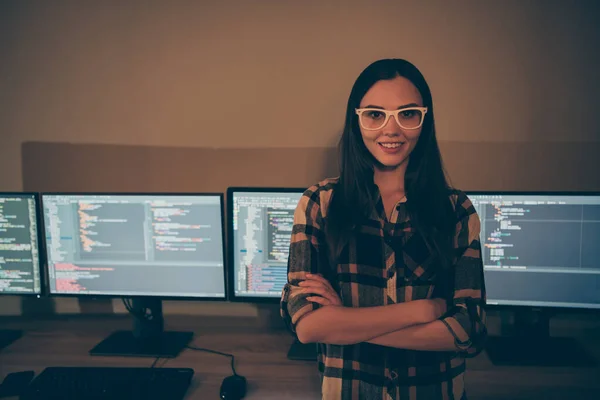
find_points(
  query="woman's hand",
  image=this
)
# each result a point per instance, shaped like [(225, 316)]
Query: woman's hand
[(316, 284)]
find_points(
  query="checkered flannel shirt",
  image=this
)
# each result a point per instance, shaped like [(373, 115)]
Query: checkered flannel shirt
[(388, 262)]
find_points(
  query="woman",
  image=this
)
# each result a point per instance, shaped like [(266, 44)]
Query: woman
[(385, 268)]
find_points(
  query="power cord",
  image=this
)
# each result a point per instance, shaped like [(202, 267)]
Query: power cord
[(231, 356), (141, 314), (155, 363)]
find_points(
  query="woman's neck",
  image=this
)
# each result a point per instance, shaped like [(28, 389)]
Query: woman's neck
[(390, 181)]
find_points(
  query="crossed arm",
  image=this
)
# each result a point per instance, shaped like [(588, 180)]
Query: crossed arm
[(413, 325), (334, 324), (423, 325)]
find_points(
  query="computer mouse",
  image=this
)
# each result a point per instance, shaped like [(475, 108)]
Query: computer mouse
[(233, 388)]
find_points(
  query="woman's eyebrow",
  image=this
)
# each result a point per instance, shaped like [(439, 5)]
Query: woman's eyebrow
[(404, 106)]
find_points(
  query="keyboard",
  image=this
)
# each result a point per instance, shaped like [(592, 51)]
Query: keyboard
[(93, 383)]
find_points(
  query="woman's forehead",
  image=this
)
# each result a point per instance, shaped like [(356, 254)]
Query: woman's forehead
[(392, 94)]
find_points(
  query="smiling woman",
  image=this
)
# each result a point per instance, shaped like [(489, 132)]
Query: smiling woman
[(396, 136), (385, 268)]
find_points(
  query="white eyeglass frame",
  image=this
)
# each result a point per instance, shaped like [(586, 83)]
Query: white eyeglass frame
[(388, 114)]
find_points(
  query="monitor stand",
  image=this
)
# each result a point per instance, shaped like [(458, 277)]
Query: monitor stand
[(532, 345), (302, 351), (148, 338), (8, 336)]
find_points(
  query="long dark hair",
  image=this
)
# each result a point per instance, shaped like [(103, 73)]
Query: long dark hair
[(427, 189)]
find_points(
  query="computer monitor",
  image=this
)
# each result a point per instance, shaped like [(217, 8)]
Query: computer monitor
[(541, 255), (260, 228), (147, 247), (260, 221), (19, 250)]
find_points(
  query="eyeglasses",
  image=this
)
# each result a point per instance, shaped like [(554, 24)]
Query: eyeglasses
[(372, 119)]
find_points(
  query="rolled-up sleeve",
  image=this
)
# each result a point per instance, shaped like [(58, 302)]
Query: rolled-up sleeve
[(305, 256), (466, 320)]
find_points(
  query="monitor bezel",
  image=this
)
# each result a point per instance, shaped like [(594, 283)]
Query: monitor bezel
[(552, 309), (136, 296), (41, 244), (230, 238)]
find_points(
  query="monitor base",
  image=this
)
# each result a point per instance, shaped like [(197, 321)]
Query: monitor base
[(538, 351), (123, 343), (302, 351), (8, 336)]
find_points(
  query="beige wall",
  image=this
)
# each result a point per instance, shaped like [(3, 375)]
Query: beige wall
[(148, 87), (272, 73)]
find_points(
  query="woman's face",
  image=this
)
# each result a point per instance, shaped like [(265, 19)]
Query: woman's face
[(391, 144)]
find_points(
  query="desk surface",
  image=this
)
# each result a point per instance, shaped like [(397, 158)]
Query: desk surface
[(261, 357)]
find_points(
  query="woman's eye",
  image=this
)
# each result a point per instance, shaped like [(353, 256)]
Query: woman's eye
[(407, 114), (374, 114)]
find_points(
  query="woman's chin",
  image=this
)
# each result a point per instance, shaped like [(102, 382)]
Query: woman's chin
[(390, 163)]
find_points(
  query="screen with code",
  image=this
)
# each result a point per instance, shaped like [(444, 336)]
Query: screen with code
[(135, 245), (19, 244), (539, 249), (262, 224)]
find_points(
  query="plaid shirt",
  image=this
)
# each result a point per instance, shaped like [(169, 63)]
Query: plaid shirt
[(388, 263)]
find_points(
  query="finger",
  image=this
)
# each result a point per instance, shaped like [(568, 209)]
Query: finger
[(317, 277), (317, 285), (321, 291), (320, 300), (329, 295), (307, 284)]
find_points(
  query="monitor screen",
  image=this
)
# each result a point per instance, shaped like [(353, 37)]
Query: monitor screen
[(260, 226), (19, 244), (161, 245), (540, 250)]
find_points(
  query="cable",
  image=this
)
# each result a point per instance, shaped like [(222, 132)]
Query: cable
[(219, 353), (141, 314), (166, 360)]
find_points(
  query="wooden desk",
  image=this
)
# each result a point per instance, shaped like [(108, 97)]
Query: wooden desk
[(261, 358)]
